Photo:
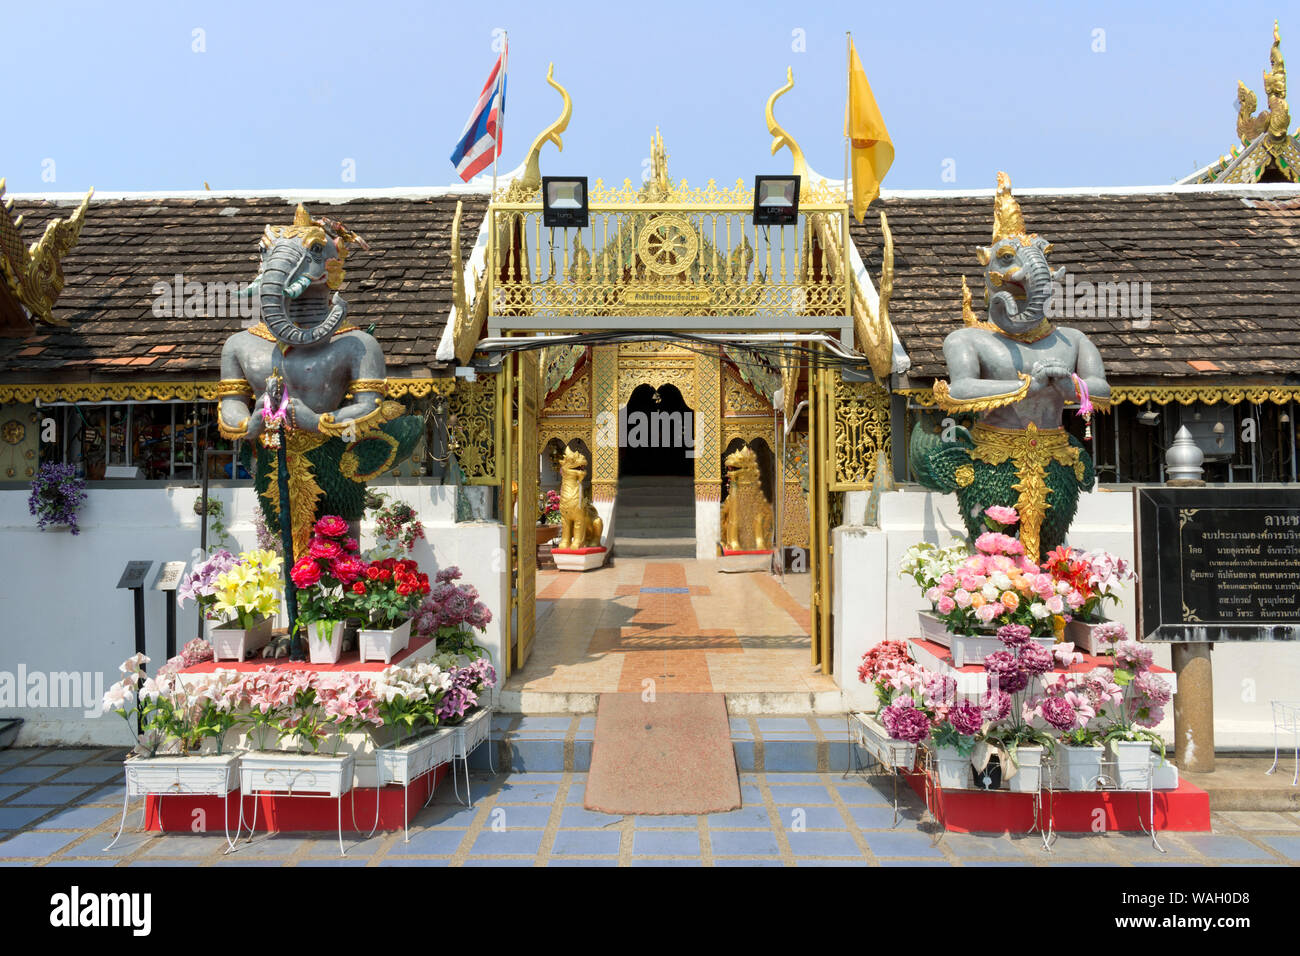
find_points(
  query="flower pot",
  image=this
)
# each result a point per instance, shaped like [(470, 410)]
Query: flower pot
[(208, 775), (1029, 770), (973, 648), (384, 644), (1164, 774), (933, 629), (547, 532), (1133, 761), (325, 641), (230, 642), (953, 768), (1080, 766), (273, 772), (1081, 634), (471, 732), (870, 734), (406, 762)]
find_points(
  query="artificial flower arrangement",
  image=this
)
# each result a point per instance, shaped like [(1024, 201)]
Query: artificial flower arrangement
[(468, 683), (57, 494), (387, 593), (926, 564), (451, 612), (241, 588), (1096, 576), (408, 698), (998, 585), (328, 570), (171, 715), (548, 507), (396, 522)]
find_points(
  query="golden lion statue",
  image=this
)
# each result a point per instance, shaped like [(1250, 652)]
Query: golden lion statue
[(580, 526), (746, 514)]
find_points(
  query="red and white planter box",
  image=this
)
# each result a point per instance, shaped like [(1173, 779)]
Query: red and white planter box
[(375, 645), (579, 559), (733, 561), (1080, 633), (403, 764)]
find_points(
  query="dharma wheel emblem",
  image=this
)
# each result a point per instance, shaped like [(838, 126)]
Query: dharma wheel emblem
[(668, 245)]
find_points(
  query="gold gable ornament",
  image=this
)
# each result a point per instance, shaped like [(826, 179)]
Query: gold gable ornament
[(34, 274)]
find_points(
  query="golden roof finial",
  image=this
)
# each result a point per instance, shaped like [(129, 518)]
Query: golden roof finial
[(34, 274), (1007, 218), (783, 138), (525, 187)]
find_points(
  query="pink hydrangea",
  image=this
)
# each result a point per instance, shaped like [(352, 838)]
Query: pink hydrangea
[(967, 718), (1036, 659), (1002, 514)]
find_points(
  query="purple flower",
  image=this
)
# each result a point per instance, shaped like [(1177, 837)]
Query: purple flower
[(967, 718), (1058, 712), (57, 494), (447, 575), (1036, 659), (997, 705), (1005, 672), (1133, 656), (1014, 635), (904, 722)]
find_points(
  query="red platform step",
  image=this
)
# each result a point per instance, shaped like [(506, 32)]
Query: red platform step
[(1186, 809), (279, 813)]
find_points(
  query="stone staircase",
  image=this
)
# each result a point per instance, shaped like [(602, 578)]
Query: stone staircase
[(654, 517)]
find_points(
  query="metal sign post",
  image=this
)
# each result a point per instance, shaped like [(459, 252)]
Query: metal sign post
[(133, 580), (167, 580)]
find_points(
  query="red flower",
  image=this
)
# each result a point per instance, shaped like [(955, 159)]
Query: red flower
[(331, 526), (305, 572), (325, 549), (403, 589), (347, 569), (373, 572), (358, 587), (385, 575), (350, 544)]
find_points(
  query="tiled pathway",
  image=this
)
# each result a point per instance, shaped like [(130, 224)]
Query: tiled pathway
[(680, 623), (60, 808)]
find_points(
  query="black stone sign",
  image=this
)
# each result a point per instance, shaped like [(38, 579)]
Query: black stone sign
[(133, 576), (1218, 564)]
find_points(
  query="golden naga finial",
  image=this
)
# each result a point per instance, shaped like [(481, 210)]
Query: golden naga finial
[(1279, 114), (458, 297), (526, 186), (1008, 222), (35, 274), (783, 138)]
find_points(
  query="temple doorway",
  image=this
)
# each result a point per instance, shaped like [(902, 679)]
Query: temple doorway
[(654, 514)]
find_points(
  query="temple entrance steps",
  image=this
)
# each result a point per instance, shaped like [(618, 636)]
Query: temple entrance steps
[(654, 517)]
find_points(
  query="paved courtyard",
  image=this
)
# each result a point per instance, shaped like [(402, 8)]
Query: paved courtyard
[(61, 807), (677, 622)]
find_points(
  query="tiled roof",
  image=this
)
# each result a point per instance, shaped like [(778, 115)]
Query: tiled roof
[(402, 285), (1224, 270)]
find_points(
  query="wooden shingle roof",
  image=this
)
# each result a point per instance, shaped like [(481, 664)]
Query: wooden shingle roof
[(402, 285)]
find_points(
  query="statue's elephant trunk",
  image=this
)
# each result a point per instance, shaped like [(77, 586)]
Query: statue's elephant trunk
[(1037, 278), (287, 272)]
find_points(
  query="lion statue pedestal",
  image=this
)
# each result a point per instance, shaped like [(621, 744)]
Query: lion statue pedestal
[(746, 543), (579, 547)]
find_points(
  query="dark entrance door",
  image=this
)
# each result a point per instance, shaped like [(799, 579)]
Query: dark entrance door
[(656, 433)]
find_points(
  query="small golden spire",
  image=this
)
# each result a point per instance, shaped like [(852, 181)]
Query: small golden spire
[(1007, 218)]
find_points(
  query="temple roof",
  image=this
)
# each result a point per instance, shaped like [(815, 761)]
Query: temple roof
[(132, 241), (1223, 263)]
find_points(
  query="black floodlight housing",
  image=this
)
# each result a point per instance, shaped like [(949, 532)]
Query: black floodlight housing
[(776, 200), (564, 201)]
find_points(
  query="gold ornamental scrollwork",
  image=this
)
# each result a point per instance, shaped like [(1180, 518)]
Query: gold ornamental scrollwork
[(668, 245), (474, 434), (1166, 394), (859, 433)]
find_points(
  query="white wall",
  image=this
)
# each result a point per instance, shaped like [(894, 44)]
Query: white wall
[(60, 612), (872, 603)]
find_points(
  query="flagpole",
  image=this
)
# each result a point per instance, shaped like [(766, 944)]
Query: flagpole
[(848, 104), (501, 110)]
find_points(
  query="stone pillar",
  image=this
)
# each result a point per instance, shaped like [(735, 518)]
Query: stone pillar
[(1194, 707)]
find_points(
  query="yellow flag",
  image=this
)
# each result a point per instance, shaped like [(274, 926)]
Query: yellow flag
[(872, 153)]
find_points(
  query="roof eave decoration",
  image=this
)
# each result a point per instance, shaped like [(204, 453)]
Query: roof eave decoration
[(1266, 144), (468, 318), (526, 186), (34, 274)]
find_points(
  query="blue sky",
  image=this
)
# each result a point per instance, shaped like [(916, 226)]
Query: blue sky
[(115, 95)]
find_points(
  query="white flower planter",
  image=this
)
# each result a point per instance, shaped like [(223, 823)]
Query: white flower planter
[(933, 629), (401, 765), (321, 650), (1081, 634), (230, 642), (1080, 766), (472, 732), (953, 768), (870, 734), (1029, 770), (208, 775), (271, 772), (1133, 762), (972, 649), (1164, 774), (384, 645)]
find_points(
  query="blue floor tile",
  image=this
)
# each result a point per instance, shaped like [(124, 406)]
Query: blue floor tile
[(879, 818), (583, 861), (679, 861), (30, 774), (757, 861), (92, 773), (77, 818), (586, 843), (665, 843), (1288, 846), (509, 842), (48, 795), (447, 815), (744, 817), (519, 817), (527, 793), (580, 817), (782, 756), (800, 795), (1218, 847), (744, 843), (36, 843), (897, 843), (823, 844), (811, 818), (430, 843), (658, 822), (18, 818)]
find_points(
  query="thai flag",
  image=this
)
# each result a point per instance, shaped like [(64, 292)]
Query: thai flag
[(480, 142)]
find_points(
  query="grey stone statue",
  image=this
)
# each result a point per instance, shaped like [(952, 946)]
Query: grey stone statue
[(1014, 373)]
